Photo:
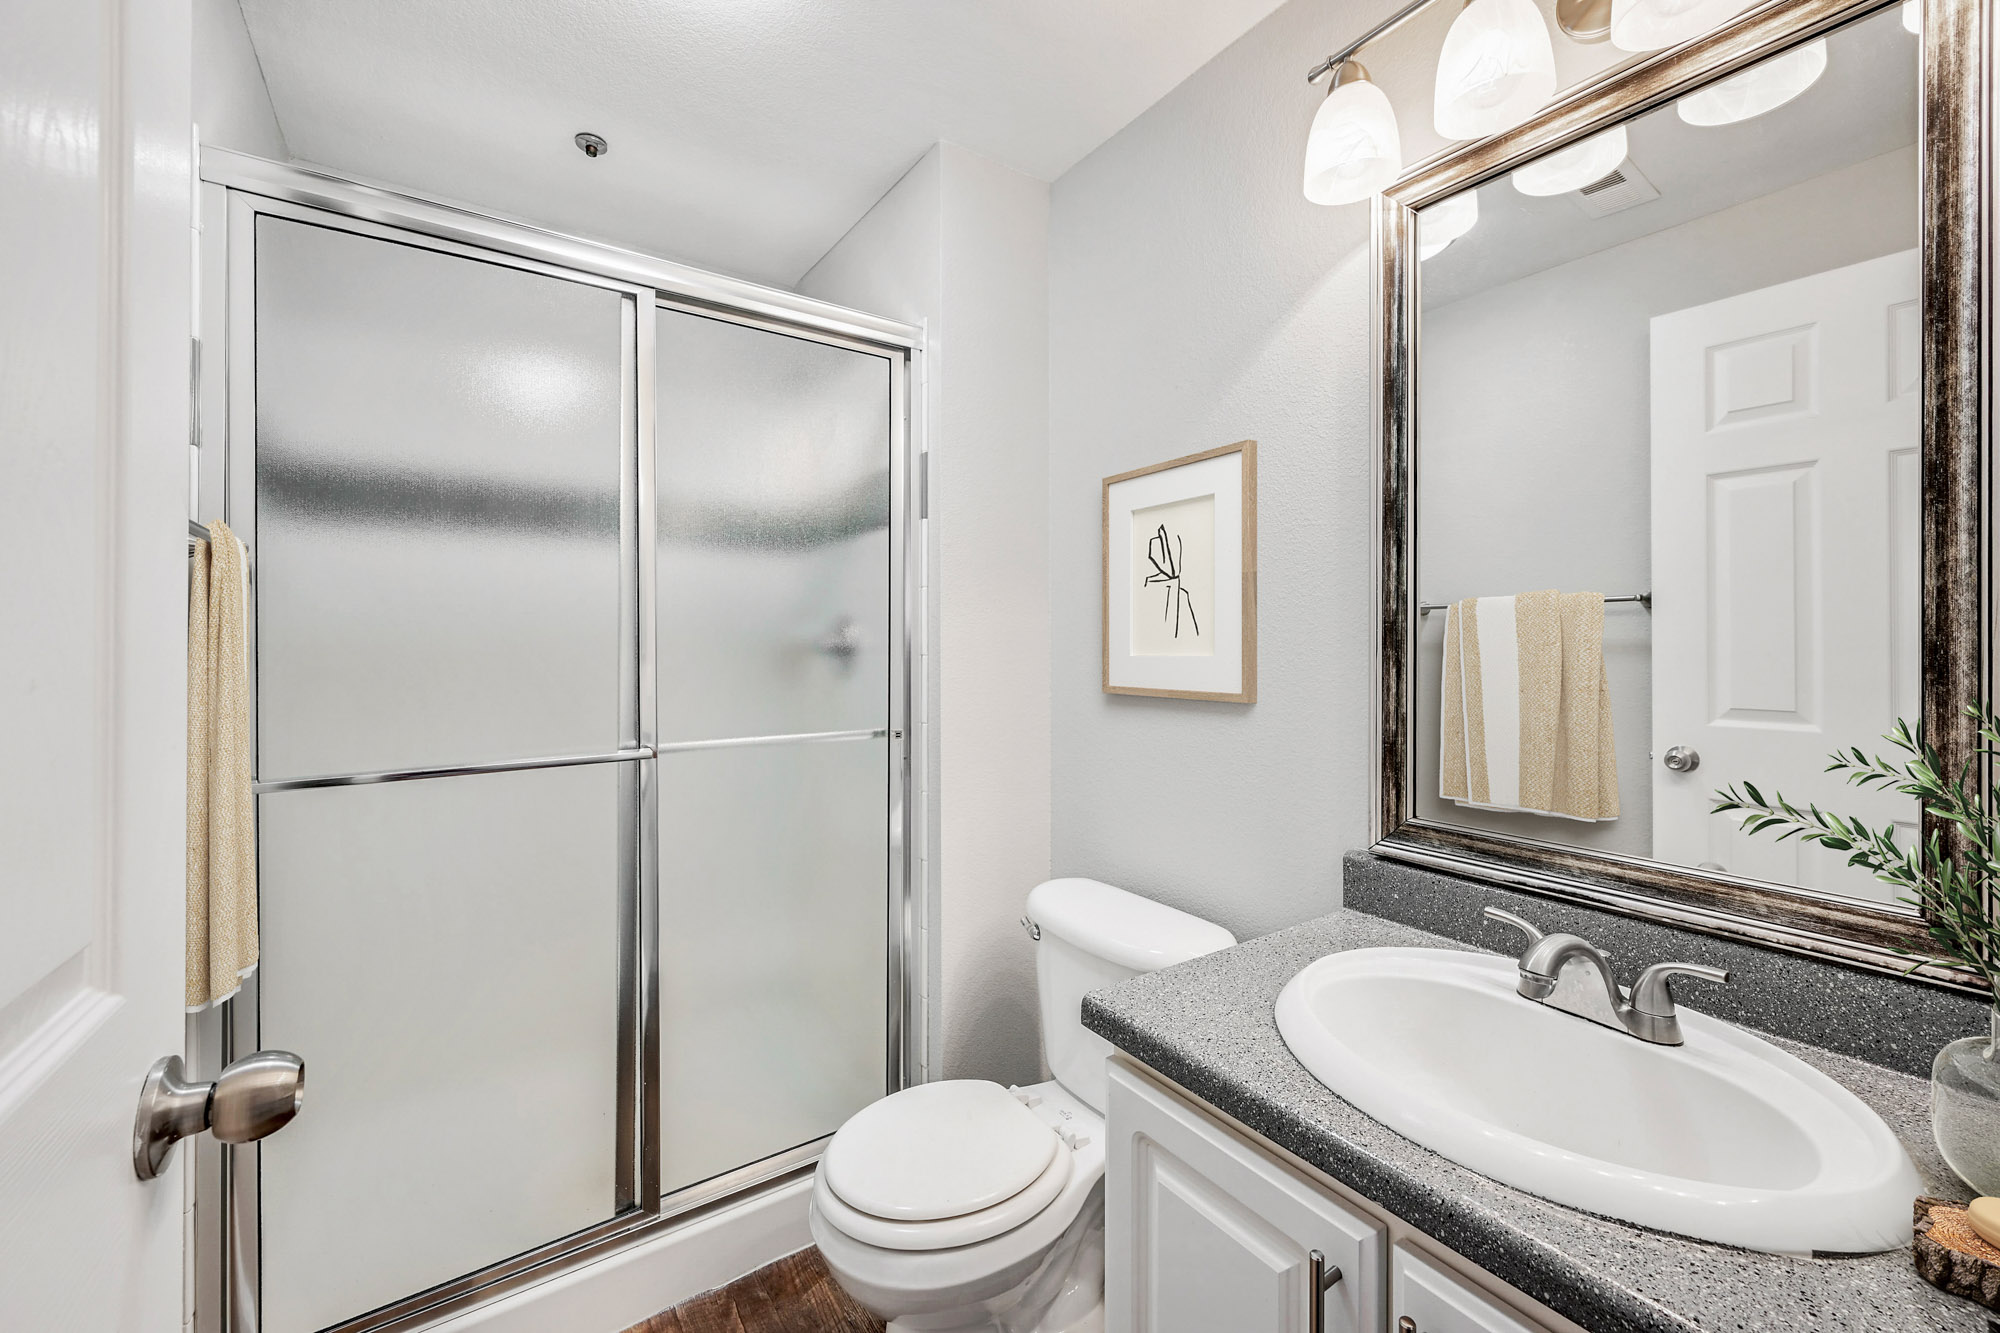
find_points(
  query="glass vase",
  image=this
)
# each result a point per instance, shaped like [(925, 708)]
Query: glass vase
[(1965, 1106)]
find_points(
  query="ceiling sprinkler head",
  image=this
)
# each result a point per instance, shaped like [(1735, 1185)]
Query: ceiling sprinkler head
[(593, 145)]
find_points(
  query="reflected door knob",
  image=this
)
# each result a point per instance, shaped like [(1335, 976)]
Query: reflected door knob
[(255, 1096), (1680, 759)]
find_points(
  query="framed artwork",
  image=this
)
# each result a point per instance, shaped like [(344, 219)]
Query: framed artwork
[(1180, 577)]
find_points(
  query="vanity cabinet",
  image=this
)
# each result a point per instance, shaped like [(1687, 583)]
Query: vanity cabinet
[(1203, 1232), (1424, 1298), (1207, 1230)]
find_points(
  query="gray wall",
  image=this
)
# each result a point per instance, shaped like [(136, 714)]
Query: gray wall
[(232, 106), (1196, 298), (1535, 450)]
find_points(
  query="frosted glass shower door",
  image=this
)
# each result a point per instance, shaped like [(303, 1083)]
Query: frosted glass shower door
[(443, 533), (774, 631)]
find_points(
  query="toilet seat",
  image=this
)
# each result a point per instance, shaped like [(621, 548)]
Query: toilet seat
[(948, 1232), (941, 1165), (938, 1151)]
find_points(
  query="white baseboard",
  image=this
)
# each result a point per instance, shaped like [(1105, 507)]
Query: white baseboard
[(622, 1289)]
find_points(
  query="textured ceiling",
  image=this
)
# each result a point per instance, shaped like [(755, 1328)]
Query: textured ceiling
[(746, 135)]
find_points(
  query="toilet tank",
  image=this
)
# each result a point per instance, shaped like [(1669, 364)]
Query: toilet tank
[(1090, 935)]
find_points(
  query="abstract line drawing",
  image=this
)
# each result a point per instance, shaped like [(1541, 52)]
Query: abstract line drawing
[(1166, 554)]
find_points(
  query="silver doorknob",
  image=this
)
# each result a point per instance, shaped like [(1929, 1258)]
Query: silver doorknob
[(254, 1097), (1680, 759)]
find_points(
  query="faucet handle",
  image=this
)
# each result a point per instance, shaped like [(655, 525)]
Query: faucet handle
[(1506, 918), (1653, 994)]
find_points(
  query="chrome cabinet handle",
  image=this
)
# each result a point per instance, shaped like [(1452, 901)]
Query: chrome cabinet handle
[(254, 1097), (1320, 1277), (1680, 759)]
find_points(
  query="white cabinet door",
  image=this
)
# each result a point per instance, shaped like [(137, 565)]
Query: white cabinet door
[(1426, 1299), (1205, 1232)]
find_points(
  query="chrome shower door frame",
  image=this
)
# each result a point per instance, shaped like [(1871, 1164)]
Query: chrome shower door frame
[(236, 190)]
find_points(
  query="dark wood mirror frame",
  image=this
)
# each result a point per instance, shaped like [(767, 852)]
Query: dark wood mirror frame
[(1956, 90)]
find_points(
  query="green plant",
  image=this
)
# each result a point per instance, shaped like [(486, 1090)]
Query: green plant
[(1952, 881)]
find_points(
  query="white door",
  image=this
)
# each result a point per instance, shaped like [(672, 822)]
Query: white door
[(1786, 493), (94, 261), (1204, 1231)]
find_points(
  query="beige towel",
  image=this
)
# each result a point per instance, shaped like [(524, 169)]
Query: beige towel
[(221, 820), (1525, 712)]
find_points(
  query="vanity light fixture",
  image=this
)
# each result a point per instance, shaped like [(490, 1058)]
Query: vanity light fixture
[(1760, 88), (1445, 221), (1573, 167), (1650, 25), (1354, 149), (1496, 69)]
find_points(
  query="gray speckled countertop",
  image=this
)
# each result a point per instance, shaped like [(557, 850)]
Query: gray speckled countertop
[(1207, 1026)]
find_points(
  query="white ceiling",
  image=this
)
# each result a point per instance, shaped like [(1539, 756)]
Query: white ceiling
[(746, 135)]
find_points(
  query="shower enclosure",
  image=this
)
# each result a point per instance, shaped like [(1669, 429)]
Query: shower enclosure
[(583, 598)]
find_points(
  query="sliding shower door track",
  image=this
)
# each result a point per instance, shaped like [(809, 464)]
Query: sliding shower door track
[(590, 1245)]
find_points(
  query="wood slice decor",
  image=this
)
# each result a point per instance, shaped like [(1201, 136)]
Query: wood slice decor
[(1952, 1257)]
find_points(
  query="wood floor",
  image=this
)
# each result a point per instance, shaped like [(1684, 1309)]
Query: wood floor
[(795, 1295)]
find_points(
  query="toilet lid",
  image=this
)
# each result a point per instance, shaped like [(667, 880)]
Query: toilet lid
[(938, 1150)]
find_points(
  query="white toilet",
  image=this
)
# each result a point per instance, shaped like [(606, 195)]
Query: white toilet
[(966, 1205)]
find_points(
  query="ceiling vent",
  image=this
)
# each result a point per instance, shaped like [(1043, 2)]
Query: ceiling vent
[(1626, 187)]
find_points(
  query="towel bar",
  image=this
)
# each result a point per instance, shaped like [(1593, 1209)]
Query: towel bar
[(1644, 599)]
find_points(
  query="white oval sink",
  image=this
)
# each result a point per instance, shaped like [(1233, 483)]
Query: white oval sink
[(1726, 1138)]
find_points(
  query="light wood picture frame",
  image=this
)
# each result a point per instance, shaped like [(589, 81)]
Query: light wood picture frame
[(1179, 602)]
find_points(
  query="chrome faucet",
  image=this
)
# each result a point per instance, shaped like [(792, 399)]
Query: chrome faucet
[(1646, 1012)]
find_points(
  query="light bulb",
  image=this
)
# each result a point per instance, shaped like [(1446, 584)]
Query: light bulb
[(1649, 25), (1353, 150), (1445, 221), (1913, 16), (1573, 167), (1496, 69), (1757, 89)]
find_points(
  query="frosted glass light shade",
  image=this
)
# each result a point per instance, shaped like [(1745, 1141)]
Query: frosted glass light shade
[(1649, 25), (1913, 16), (1354, 149), (1445, 221), (1757, 89), (1497, 68), (1573, 167)]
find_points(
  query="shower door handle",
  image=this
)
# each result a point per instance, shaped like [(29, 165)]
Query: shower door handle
[(253, 1098)]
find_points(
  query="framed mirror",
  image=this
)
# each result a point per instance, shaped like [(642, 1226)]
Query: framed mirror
[(1683, 482)]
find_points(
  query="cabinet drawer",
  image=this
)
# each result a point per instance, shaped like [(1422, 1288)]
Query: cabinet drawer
[(1206, 1232), (1426, 1299)]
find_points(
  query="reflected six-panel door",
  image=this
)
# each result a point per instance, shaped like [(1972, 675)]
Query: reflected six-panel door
[(1786, 560)]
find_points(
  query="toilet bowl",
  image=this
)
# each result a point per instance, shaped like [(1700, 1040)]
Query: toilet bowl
[(963, 1205)]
